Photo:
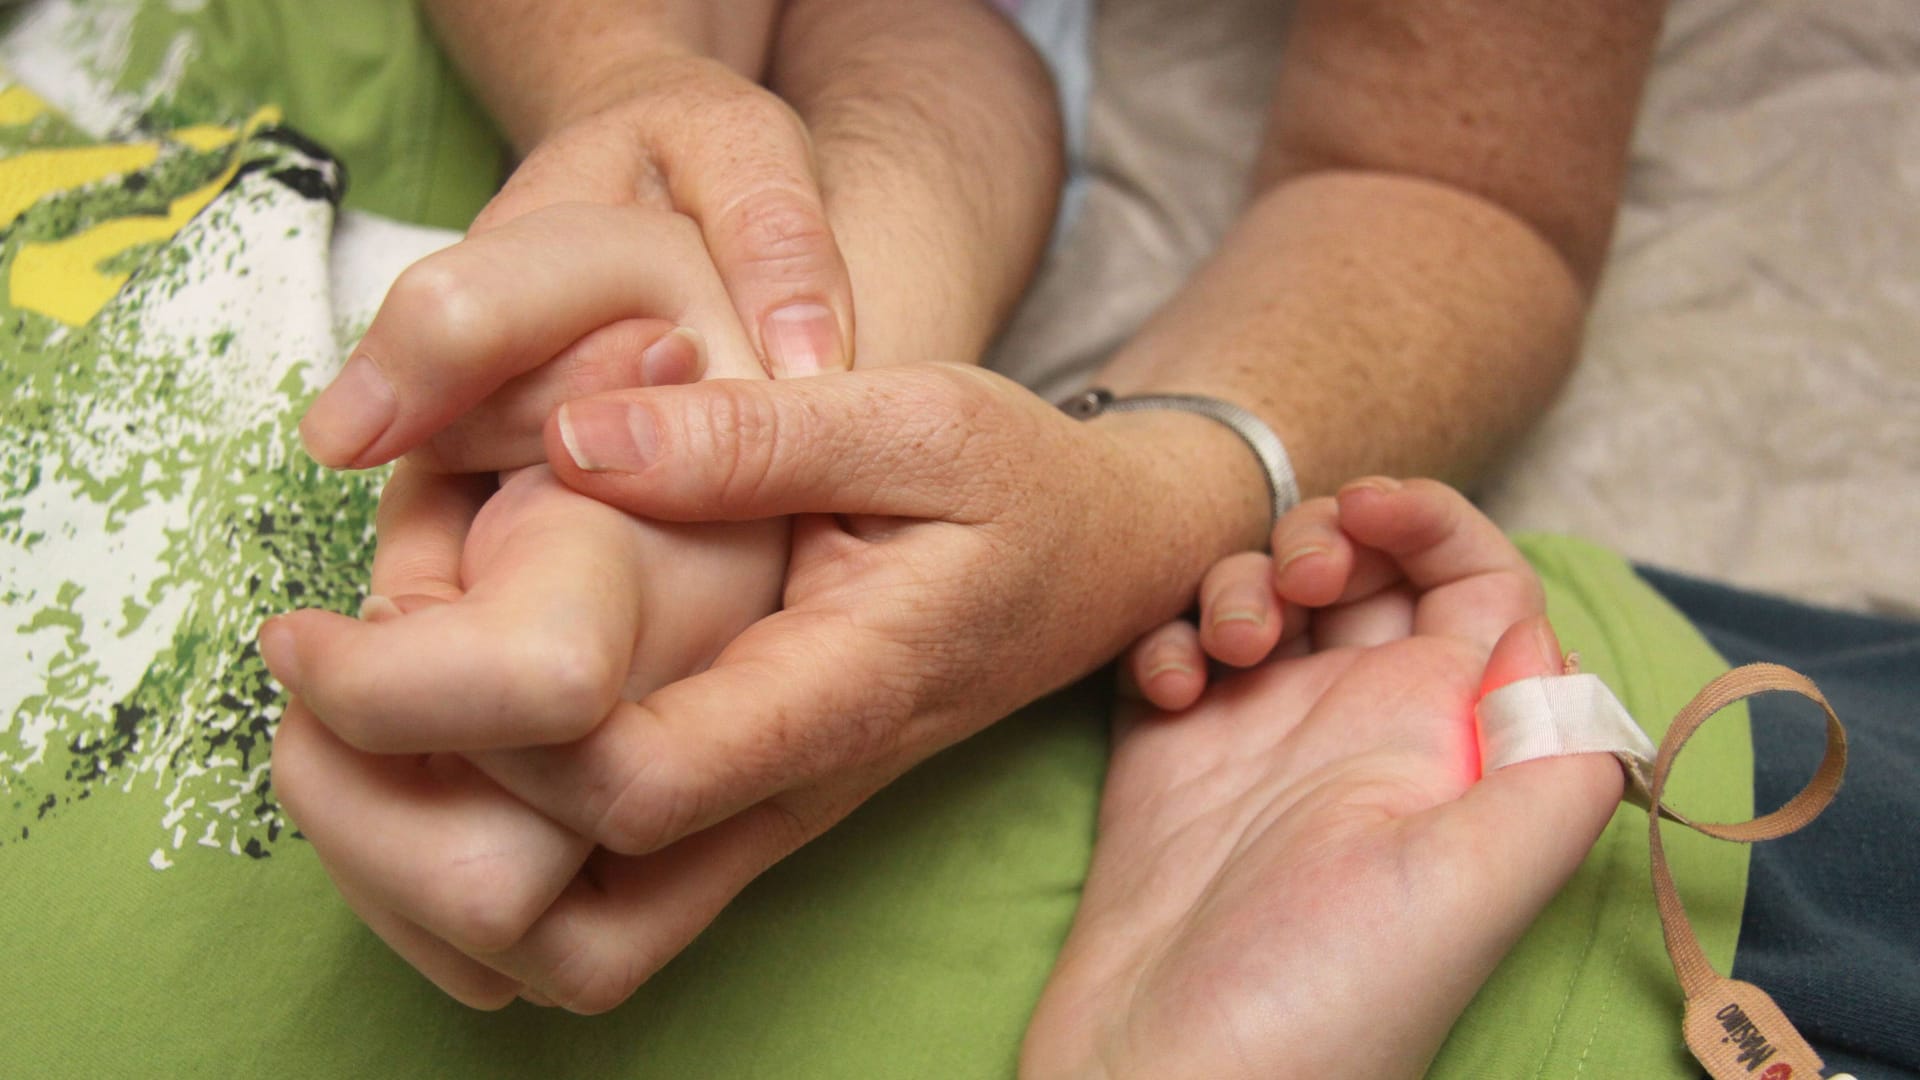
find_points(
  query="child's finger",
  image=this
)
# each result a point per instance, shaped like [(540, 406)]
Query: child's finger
[(1167, 667), (460, 976), (1311, 556), (1239, 613), (1296, 623), (1316, 564), (624, 917), (1474, 582), (504, 431), (535, 652), (440, 846), (1387, 615), (465, 320), (1432, 531), (420, 530)]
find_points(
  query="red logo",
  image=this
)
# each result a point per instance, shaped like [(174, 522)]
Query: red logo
[(1779, 1070)]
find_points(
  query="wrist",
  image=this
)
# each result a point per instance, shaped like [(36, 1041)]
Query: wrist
[(654, 61), (538, 65), (1276, 466), (1201, 491)]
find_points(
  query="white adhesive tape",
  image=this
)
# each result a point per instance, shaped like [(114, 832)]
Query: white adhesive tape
[(1552, 715)]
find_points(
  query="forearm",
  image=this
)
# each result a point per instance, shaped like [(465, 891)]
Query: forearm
[(536, 64), (937, 139), (1379, 324), (1405, 292)]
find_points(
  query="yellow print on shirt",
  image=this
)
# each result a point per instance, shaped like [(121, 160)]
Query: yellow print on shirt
[(147, 192)]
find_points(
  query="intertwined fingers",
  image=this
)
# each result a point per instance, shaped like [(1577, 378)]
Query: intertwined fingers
[(462, 322)]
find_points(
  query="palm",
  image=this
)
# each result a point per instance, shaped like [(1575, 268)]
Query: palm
[(1290, 883)]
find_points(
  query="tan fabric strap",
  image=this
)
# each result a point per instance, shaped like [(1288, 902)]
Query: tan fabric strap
[(1733, 1027)]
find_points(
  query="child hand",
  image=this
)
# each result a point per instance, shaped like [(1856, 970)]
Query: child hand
[(1314, 838), (1333, 579), (526, 630), (507, 620), (521, 629)]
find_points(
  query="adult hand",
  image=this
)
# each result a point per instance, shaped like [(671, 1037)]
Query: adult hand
[(1314, 841), (964, 549), (690, 139)]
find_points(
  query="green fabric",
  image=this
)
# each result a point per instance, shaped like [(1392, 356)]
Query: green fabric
[(161, 917), (912, 940), (1589, 991), (361, 77)]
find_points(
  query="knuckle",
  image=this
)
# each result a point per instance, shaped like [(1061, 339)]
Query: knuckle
[(442, 302), (762, 111), (606, 359), (744, 430), (950, 415), (590, 982), (633, 810), (933, 402), (780, 829), (779, 228), (479, 913), (480, 896), (860, 726), (416, 570), (484, 440), (447, 451), (1530, 592), (641, 818), (760, 128), (563, 683), (1321, 510)]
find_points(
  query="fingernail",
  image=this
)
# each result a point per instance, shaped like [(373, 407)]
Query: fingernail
[(350, 414), (1238, 605), (377, 608), (679, 357), (802, 339), (276, 650), (1294, 557), (1170, 668), (607, 436), (1382, 484)]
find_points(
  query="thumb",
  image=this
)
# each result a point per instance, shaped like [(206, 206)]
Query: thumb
[(758, 202), (1528, 648), (1547, 812), (910, 441)]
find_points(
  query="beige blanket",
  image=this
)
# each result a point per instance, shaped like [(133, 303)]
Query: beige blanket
[(1748, 406)]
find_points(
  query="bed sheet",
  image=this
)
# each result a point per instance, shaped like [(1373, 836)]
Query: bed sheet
[(1748, 404)]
